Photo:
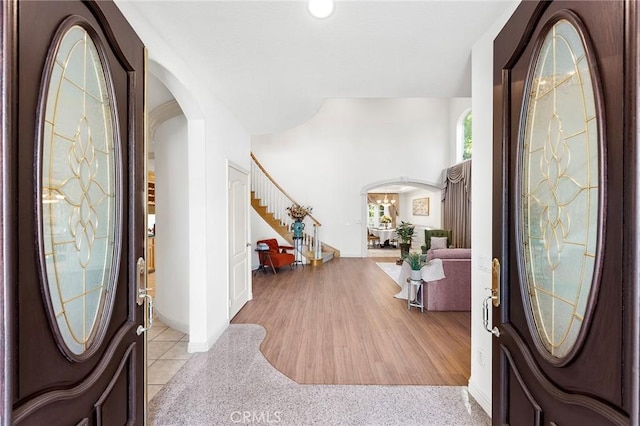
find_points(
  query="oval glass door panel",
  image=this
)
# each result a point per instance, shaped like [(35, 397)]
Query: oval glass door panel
[(559, 190), (79, 202)]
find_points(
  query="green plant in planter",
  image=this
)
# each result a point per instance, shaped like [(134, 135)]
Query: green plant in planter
[(414, 259), (404, 231)]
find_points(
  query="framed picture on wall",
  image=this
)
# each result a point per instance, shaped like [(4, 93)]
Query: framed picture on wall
[(421, 206)]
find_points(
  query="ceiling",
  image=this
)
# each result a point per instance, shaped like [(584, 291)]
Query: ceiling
[(272, 64)]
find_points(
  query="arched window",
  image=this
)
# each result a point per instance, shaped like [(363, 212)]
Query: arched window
[(467, 140)]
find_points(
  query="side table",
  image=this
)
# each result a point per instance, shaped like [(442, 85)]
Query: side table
[(263, 254), (418, 302)]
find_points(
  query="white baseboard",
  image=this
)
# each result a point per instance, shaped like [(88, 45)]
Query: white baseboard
[(481, 397), (205, 346), (193, 347), (176, 325)]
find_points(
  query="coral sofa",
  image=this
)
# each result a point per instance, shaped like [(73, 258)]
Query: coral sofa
[(453, 293)]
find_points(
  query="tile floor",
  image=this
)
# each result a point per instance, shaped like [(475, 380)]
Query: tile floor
[(166, 354)]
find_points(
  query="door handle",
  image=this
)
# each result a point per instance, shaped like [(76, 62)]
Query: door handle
[(149, 317), (143, 296), (485, 315), (494, 297)]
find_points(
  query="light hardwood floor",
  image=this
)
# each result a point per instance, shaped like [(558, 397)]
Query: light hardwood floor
[(340, 324)]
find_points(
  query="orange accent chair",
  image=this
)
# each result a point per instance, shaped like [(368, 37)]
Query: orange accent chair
[(276, 256)]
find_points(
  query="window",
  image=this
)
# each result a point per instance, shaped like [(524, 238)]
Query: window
[(466, 137), (376, 211)]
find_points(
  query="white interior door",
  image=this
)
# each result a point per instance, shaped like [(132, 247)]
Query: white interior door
[(239, 283)]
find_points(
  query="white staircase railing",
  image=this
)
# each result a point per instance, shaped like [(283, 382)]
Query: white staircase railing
[(277, 200)]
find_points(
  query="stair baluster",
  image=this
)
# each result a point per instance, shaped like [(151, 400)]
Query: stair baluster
[(269, 198)]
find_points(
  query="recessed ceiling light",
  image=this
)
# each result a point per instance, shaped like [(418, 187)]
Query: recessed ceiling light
[(320, 8)]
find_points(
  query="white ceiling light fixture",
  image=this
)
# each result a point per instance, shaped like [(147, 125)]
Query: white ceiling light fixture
[(386, 201), (320, 9)]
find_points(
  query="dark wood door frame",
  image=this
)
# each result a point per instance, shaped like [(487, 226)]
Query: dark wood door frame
[(522, 24), (632, 199), (8, 36)]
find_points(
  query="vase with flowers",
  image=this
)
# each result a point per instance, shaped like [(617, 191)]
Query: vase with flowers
[(385, 220), (298, 213)]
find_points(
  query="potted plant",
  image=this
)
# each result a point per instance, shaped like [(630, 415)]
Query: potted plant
[(405, 233), (414, 259), (385, 220)]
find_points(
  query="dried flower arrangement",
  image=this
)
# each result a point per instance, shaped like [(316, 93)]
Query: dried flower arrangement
[(299, 212)]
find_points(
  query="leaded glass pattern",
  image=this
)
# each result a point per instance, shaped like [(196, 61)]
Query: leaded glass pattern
[(78, 189), (560, 189)]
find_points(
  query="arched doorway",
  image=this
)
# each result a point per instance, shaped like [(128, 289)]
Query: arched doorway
[(416, 202)]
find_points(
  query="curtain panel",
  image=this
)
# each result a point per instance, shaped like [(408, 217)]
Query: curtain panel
[(456, 203)]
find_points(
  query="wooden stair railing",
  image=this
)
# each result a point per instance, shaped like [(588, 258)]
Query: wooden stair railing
[(270, 201)]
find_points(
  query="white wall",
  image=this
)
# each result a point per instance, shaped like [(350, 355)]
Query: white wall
[(481, 216), (214, 139), (172, 230), (433, 221), (350, 144), (226, 141)]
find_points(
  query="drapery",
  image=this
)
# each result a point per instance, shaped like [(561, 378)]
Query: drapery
[(456, 203)]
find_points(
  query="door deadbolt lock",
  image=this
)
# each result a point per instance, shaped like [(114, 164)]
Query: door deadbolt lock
[(495, 282)]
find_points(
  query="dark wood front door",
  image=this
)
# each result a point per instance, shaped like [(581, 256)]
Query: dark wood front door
[(565, 215), (73, 213)]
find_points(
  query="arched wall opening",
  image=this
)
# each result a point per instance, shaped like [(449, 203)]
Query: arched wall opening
[(413, 189), (181, 244)]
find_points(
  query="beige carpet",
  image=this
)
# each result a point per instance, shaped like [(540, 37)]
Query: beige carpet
[(233, 383), (391, 269)]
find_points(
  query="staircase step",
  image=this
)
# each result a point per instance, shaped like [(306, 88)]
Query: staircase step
[(326, 256), (286, 233)]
